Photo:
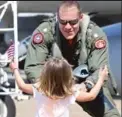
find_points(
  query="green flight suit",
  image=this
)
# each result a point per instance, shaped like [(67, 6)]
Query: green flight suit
[(82, 52)]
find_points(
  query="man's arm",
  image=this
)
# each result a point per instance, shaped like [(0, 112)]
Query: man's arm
[(37, 51), (98, 55)]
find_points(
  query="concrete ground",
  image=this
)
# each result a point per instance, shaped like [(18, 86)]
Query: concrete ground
[(26, 108)]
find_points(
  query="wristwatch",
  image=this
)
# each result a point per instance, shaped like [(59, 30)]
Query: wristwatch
[(89, 85)]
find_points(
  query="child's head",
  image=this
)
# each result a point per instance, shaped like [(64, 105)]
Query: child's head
[(56, 78)]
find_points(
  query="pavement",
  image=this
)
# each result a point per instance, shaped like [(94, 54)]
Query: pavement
[(26, 108)]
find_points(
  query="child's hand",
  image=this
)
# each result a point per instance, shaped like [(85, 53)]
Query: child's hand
[(103, 73), (13, 65)]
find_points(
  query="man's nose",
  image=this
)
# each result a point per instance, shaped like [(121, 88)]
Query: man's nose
[(67, 26)]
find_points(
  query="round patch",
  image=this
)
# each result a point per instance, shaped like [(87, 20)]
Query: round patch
[(38, 38), (100, 43)]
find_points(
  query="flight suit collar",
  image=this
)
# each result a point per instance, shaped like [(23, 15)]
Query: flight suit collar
[(79, 35)]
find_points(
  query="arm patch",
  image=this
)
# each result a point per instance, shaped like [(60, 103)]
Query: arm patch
[(38, 38), (100, 43)]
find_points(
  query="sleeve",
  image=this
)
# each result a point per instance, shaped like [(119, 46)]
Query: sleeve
[(98, 55), (37, 52)]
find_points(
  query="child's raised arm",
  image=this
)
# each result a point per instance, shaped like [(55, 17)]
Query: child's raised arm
[(89, 96), (27, 88)]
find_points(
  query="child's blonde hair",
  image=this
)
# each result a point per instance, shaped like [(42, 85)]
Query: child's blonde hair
[(56, 78)]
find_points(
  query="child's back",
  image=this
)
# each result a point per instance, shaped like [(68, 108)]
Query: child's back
[(47, 107)]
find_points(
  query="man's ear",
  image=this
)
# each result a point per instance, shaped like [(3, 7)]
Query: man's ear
[(81, 15)]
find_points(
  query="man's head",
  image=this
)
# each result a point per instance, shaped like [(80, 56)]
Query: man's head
[(69, 15)]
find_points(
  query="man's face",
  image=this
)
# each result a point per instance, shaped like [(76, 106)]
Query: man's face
[(69, 22)]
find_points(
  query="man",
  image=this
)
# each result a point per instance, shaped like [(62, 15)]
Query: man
[(80, 41)]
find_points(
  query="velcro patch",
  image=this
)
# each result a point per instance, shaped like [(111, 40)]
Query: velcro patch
[(99, 44), (38, 38)]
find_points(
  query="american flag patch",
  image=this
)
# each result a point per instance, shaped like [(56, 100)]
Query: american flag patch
[(10, 51)]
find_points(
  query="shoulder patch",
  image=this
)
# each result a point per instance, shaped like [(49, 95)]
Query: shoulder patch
[(38, 38), (100, 43)]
